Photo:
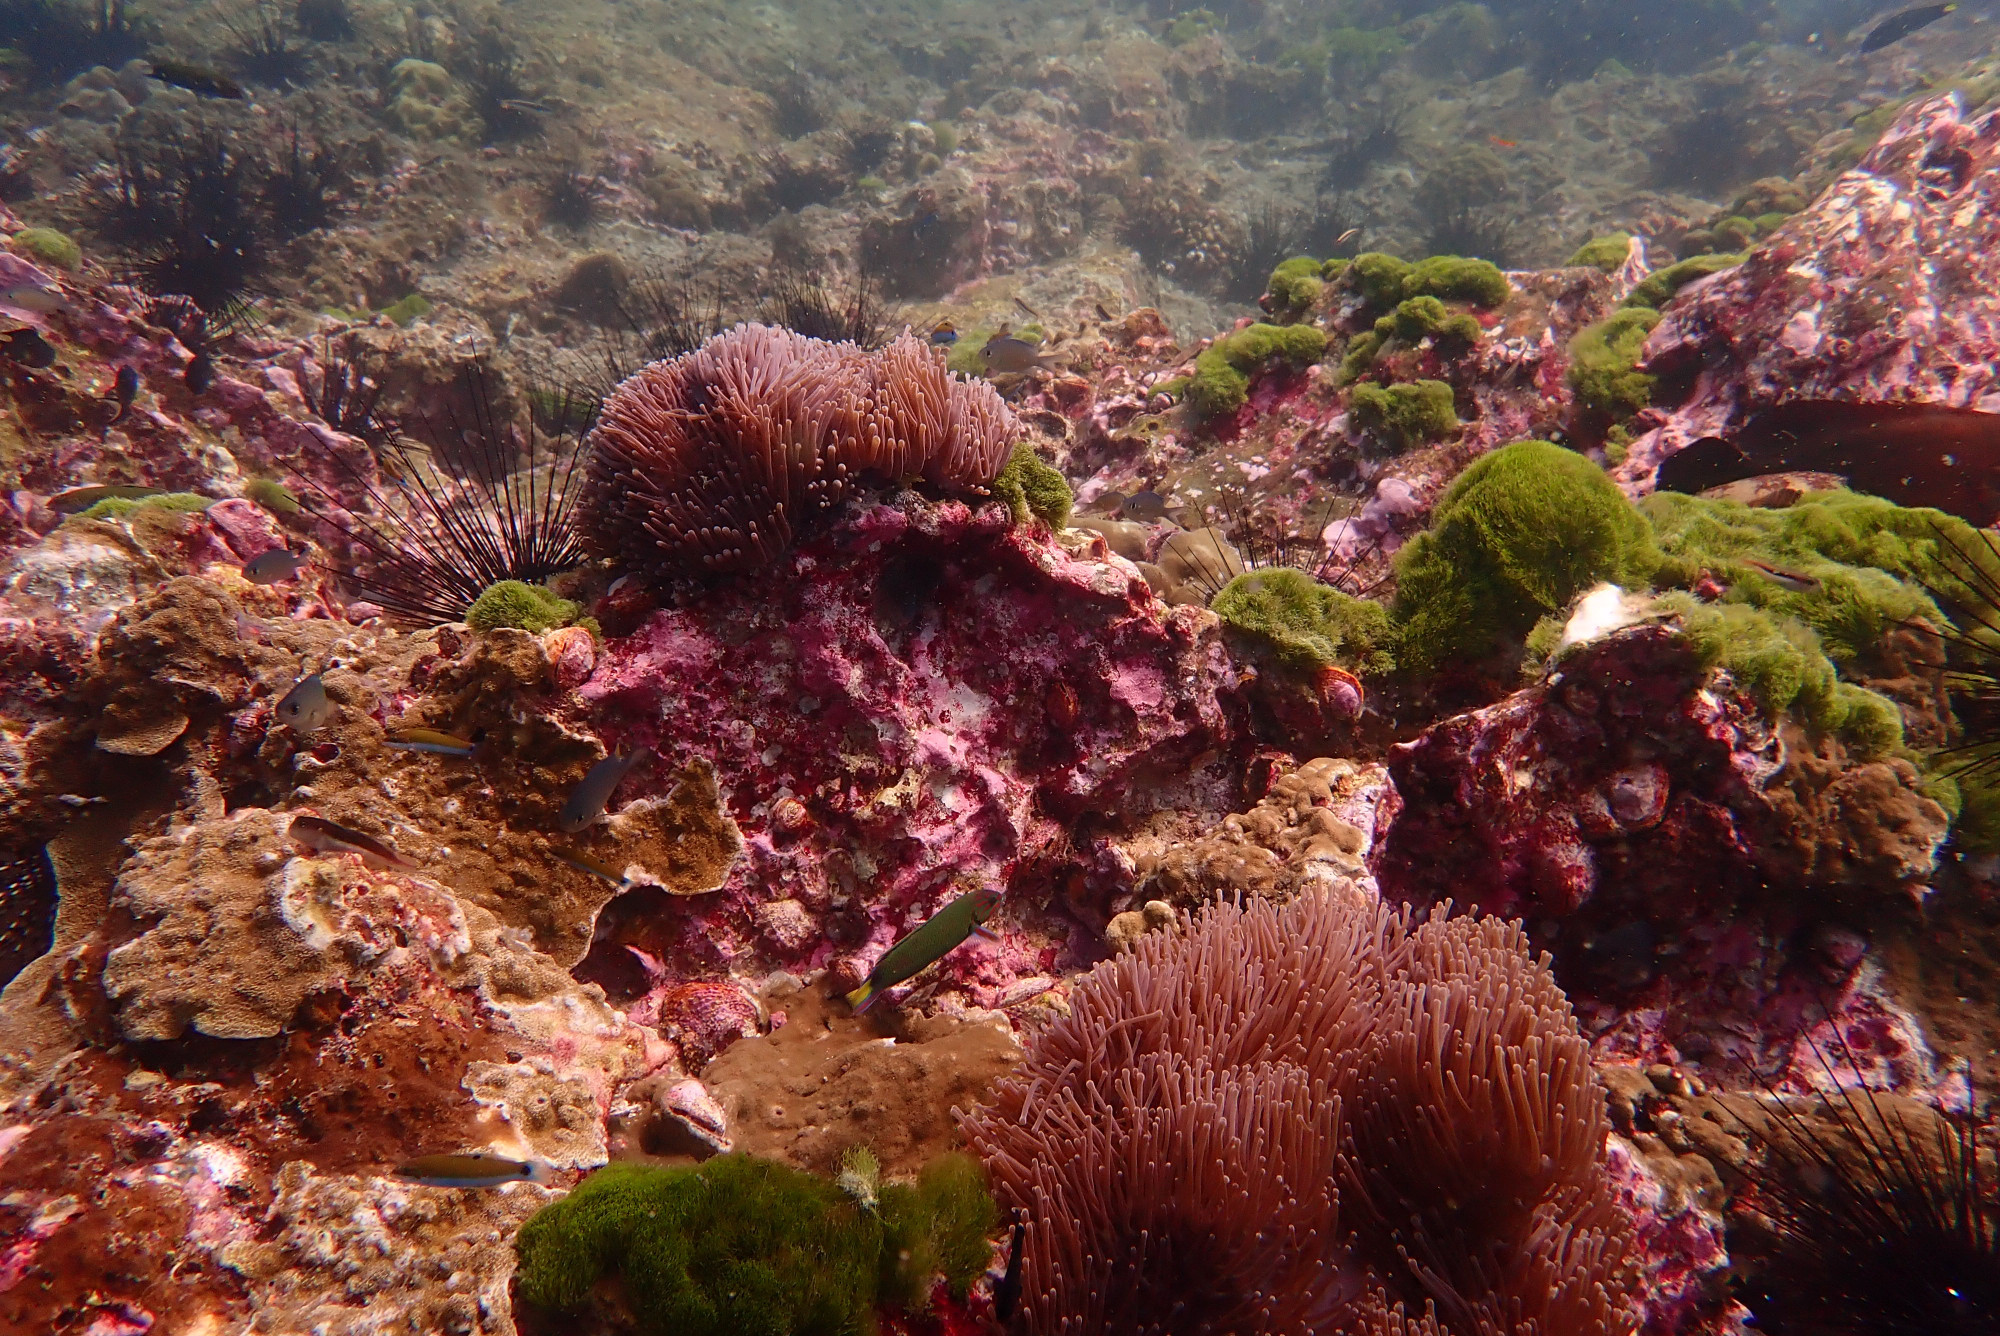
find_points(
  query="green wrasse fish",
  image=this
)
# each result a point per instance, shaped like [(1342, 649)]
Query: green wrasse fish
[(430, 740), (937, 937), (473, 1171)]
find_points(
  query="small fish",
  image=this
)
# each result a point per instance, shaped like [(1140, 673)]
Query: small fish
[(34, 297), (1898, 26), (1784, 579), (593, 791), (277, 564), (1006, 355), (590, 866), (943, 334), (1347, 236), (306, 707), (200, 373), (329, 837), (523, 106), (1033, 314), (28, 348), (79, 499), (432, 741), (1498, 142), (124, 390), (932, 940), (473, 1171), (1111, 503), (1145, 507), (202, 82), (1102, 314), (1007, 1292)]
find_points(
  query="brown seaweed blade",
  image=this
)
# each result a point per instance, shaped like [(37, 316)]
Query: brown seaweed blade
[(1911, 454)]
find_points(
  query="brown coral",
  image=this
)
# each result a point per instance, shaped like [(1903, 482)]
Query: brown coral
[(1314, 1119), (710, 463)]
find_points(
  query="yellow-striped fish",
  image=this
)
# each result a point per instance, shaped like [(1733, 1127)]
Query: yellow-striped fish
[(938, 936)]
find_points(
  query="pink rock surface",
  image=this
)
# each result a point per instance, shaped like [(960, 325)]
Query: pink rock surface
[(1882, 290)]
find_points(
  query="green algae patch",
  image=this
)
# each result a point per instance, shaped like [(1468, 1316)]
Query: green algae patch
[(1221, 380), (1406, 415), (1606, 253), (742, 1245), (1378, 277), (1520, 534), (408, 310), (1660, 286), (1457, 278), (1295, 286), (1780, 662), (1031, 487), (121, 507), (273, 495), (1308, 625), (49, 246), (523, 607), (1604, 360)]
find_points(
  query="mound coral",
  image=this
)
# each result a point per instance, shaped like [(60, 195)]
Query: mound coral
[(710, 463), (742, 1245), (1521, 533), (1315, 1118)]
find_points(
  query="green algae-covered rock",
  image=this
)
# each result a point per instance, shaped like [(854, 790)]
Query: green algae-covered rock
[(1307, 624), (119, 507), (1221, 379), (1604, 360), (524, 607), (1457, 278), (1405, 415), (1662, 284), (1296, 285), (1606, 252), (1031, 487), (739, 1246), (1520, 534), (49, 246)]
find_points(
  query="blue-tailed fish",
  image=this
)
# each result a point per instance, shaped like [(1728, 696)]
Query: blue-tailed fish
[(432, 741), (277, 564), (330, 837), (937, 937), (593, 791), (473, 1171), (306, 706)]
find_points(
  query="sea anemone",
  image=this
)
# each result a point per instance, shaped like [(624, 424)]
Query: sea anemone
[(1314, 1118), (711, 463), (487, 498)]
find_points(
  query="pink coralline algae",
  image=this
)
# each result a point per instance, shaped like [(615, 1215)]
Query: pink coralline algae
[(1680, 855), (1883, 290), (880, 717)]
